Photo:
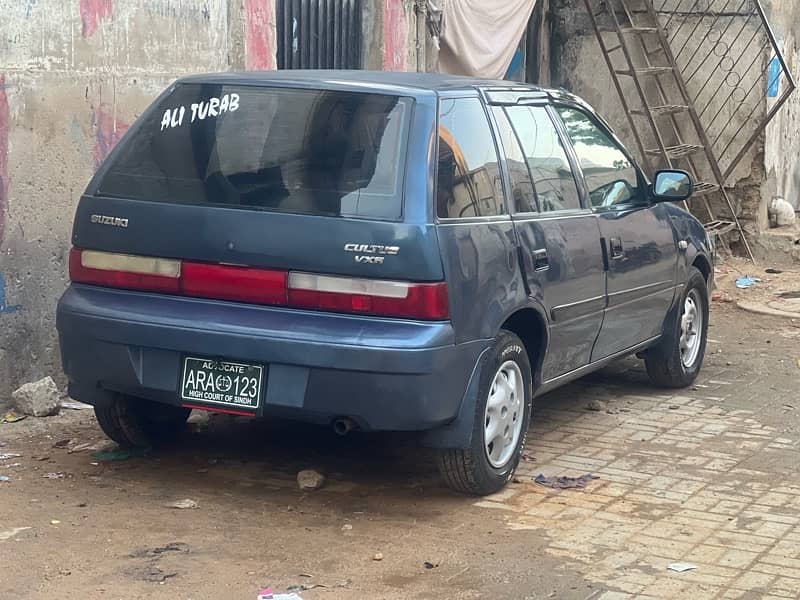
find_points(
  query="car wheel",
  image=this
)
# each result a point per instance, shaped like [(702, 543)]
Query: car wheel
[(502, 416), (134, 422), (676, 360)]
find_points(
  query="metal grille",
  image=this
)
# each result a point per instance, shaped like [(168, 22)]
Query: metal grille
[(319, 34), (702, 79), (733, 68)]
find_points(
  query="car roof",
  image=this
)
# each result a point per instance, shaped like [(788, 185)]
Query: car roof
[(411, 83)]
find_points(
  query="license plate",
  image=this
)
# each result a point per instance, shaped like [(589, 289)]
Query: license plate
[(221, 382)]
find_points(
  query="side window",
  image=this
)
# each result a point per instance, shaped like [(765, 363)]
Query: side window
[(522, 193), (547, 160), (468, 171), (610, 176)]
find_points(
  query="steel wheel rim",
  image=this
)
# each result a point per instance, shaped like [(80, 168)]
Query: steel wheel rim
[(503, 417), (691, 329)]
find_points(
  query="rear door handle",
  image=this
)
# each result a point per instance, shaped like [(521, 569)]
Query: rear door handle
[(617, 250), (540, 260)]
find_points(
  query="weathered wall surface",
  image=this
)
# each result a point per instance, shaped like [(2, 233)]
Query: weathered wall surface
[(782, 140), (74, 74)]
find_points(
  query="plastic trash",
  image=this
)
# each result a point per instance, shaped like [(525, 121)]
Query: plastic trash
[(120, 454), (12, 417), (268, 594), (185, 503), (75, 405), (564, 482), (746, 282), (5, 478), (681, 567)]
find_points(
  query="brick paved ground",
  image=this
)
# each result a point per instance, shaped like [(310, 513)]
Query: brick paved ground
[(707, 475), (690, 477)]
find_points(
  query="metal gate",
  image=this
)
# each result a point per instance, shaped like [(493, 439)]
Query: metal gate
[(692, 81), (319, 34)]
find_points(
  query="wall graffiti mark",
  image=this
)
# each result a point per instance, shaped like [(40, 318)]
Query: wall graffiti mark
[(395, 28), (5, 126), (6, 308), (108, 131), (92, 12), (259, 35)]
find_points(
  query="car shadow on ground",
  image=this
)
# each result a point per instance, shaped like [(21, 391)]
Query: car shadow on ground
[(258, 455)]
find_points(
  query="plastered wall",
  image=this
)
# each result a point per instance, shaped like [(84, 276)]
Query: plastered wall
[(74, 74)]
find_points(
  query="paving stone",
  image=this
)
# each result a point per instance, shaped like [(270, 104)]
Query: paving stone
[(691, 484)]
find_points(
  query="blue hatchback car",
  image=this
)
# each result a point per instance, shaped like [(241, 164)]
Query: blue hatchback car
[(374, 251)]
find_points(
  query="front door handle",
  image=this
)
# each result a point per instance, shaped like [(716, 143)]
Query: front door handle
[(540, 260), (617, 250)]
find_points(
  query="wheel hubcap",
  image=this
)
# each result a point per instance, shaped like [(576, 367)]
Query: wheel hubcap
[(691, 329), (504, 411)]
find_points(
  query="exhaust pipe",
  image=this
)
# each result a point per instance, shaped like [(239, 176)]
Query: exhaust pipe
[(342, 426)]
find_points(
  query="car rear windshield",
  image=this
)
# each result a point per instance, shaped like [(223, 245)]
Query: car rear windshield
[(315, 152)]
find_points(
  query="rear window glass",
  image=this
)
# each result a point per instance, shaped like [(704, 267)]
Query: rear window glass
[(299, 151)]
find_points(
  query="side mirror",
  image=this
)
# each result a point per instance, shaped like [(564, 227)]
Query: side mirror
[(672, 186)]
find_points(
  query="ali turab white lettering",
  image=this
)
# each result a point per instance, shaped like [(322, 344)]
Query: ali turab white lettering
[(213, 107)]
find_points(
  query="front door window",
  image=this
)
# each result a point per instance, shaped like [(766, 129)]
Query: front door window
[(610, 175)]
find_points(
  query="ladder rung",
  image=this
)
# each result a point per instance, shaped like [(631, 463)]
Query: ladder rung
[(701, 188), (719, 227), (614, 48), (646, 71), (678, 151), (628, 29), (669, 109)]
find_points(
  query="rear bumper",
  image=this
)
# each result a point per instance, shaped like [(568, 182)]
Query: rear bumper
[(385, 374)]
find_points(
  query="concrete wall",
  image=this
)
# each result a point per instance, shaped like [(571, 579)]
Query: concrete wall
[(74, 74), (782, 140)]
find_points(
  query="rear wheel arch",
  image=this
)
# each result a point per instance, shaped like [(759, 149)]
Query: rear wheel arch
[(531, 327)]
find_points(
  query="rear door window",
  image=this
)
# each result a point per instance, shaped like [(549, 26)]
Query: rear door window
[(468, 169), (547, 160), (522, 192), (317, 152)]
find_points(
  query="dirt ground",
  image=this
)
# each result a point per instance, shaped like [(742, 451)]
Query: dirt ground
[(73, 526)]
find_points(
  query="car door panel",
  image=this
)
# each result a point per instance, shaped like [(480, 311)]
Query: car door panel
[(638, 238), (559, 238), (572, 288), (641, 282)]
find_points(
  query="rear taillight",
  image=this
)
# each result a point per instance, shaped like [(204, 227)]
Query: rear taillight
[(424, 301), (125, 271), (368, 296)]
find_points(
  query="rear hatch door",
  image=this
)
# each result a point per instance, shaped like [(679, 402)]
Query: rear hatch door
[(309, 180)]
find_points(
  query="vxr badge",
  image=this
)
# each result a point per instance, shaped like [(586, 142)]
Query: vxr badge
[(371, 254)]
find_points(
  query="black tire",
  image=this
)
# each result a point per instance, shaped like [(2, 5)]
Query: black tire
[(138, 423), (469, 470), (664, 361)]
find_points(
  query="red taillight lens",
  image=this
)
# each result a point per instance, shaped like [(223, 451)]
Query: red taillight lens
[(240, 284), (423, 301), (426, 301)]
